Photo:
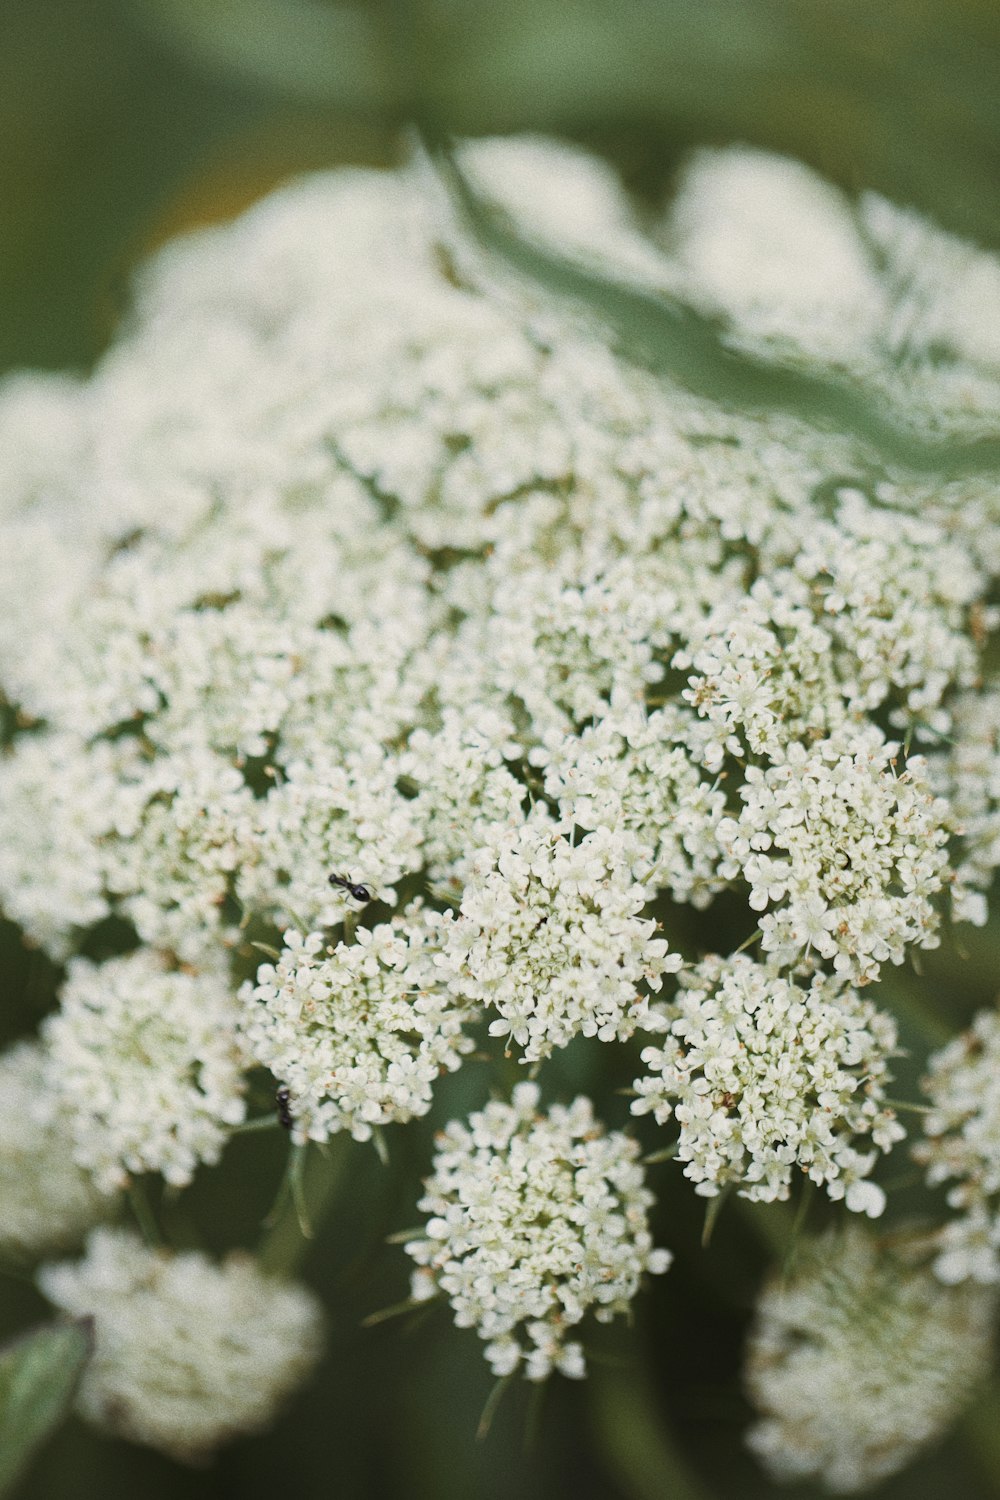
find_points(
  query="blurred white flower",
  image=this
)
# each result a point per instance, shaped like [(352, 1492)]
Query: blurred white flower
[(48, 1201), (857, 1359), (960, 1146), (188, 1354), (145, 1064)]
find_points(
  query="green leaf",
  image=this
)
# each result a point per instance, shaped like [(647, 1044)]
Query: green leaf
[(39, 1374), (669, 337)]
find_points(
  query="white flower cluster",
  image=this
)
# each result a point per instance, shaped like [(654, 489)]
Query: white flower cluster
[(549, 934), (146, 1066), (961, 1147), (48, 1201), (874, 610), (535, 1221), (766, 1076), (188, 1354), (636, 773), (857, 1360), (358, 1033), (844, 852), (356, 557)]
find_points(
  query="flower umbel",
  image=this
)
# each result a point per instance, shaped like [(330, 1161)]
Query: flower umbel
[(535, 1221), (858, 1359), (188, 1354), (767, 1077)]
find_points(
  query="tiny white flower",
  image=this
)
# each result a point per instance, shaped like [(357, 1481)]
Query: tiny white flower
[(48, 1201), (960, 1146)]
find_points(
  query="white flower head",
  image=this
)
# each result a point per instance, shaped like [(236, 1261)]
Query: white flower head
[(188, 1354), (462, 786), (145, 1063), (767, 1077), (182, 827), (48, 1201), (845, 853), (857, 1360), (961, 1147), (358, 1032), (535, 1220), (57, 797), (636, 775), (327, 815), (549, 934)]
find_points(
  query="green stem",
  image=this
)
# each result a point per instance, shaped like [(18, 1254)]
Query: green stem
[(397, 1310), (261, 1122), (712, 1213), (313, 1180), (668, 1153), (138, 1202), (490, 1409), (806, 1196)]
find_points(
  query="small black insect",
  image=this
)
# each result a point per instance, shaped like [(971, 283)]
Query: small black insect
[(283, 1103), (359, 892)]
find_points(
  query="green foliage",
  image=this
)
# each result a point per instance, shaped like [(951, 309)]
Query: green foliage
[(39, 1374)]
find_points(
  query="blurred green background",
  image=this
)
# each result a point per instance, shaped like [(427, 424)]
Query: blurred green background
[(121, 123)]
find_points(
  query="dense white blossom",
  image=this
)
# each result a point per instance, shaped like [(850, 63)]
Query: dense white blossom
[(843, 846), (56, 811), (857, 1359), (463, 786), (145, 1063), (635, 773), (767, 1077), (535, 1221), (549, 934), (961, 1147), (876, 608), (188, 1354), (357, 555), (48, 1201), (358, 1032)]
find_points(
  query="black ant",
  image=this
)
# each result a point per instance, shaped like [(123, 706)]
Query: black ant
[(283, 1103), (359, 892)]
